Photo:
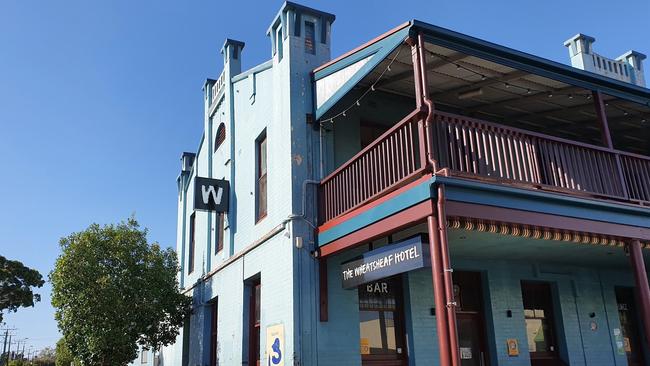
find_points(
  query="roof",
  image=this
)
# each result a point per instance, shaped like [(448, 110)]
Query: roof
[(501, 55), (531, 63), (480, 79)]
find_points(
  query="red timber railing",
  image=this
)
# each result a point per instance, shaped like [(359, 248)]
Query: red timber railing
[(394, 159), (468, 146), (486, 151)]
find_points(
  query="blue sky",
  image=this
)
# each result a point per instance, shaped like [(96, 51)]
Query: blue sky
[(99, 98)]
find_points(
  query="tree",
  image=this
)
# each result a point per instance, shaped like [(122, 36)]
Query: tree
[(63, 355), (113, 291), (16, 283), (47, 357)]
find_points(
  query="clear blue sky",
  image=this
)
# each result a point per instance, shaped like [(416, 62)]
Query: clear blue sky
[(99, 98)]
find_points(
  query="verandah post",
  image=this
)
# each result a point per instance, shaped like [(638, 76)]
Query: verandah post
[(641, 282), (442, 323)]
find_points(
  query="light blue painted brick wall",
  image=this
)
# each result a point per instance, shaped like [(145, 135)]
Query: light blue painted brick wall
[(338, 338), (578, 290)]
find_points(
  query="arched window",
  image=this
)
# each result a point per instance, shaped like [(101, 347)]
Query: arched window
[(221, 136)]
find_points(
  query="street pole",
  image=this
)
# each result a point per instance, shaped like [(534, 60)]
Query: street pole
[(4, 348), (9, 350)]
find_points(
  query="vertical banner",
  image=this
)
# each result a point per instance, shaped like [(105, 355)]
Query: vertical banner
[(275, 345)]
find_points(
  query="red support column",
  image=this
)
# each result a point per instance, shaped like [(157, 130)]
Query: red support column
[(447, 276), (442, 324), (643, 290)]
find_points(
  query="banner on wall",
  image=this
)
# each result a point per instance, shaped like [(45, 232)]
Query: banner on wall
[(275, 345)]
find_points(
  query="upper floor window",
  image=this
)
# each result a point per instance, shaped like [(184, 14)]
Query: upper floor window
[(190, 254), (261, 177), (220, 137), (219, 232), (309, 38)]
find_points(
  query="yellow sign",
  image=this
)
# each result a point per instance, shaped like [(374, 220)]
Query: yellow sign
[(365, 346), (275, 345), (513, 347)]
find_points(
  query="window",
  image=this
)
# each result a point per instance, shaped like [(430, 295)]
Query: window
[(190, 254), (219, 232), (380, 321), (261, 177), (143, 356), (214, 347), (254, 323), (309, 38), (221, 136), (538, 314)]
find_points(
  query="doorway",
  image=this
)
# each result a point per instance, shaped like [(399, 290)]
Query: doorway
[(470, 319), (540, 325), (381, 323), (629, 326)]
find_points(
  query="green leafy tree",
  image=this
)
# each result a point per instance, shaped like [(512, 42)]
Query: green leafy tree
[(63, 355), (46, 357), (113, 291), (16, 283)]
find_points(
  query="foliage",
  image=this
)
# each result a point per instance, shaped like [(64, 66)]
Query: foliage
[(16, 282), (113, 291), (64, 356), (18, 362), (47, 357)]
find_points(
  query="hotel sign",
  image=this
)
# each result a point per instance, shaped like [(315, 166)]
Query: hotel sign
[(211, 194), (386, 261)]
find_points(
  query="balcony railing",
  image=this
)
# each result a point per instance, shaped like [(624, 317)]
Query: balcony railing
[(392, 160), (482, 150)]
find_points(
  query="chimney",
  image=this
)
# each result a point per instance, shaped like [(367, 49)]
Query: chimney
[(187, 160), (627, 67), (231, 52)]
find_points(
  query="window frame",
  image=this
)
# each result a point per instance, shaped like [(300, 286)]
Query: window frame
[(261, 177), (219, 232), (191, 243), (220, 136), (214, 332), (310, 38), (254, 323)]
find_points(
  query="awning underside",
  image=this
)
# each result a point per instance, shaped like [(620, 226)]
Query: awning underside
[(471, 86)]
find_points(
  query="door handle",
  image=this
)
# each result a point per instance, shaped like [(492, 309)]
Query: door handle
[(482, 360)]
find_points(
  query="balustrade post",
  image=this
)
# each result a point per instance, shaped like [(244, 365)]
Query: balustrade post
[(642, 288), (607, 138)]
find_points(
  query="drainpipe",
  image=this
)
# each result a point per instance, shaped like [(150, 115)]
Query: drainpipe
[(442, 324), (641, 280), (429, 104), (447, 276)]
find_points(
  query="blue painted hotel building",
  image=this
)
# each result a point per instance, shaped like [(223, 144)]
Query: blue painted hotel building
[(427, 198)]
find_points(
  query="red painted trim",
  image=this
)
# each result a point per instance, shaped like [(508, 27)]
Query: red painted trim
[(361, 209), (380, 228), (642, 289), (322, 286), (484, 212), (448, 281), (355, 50), (437, 269)]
